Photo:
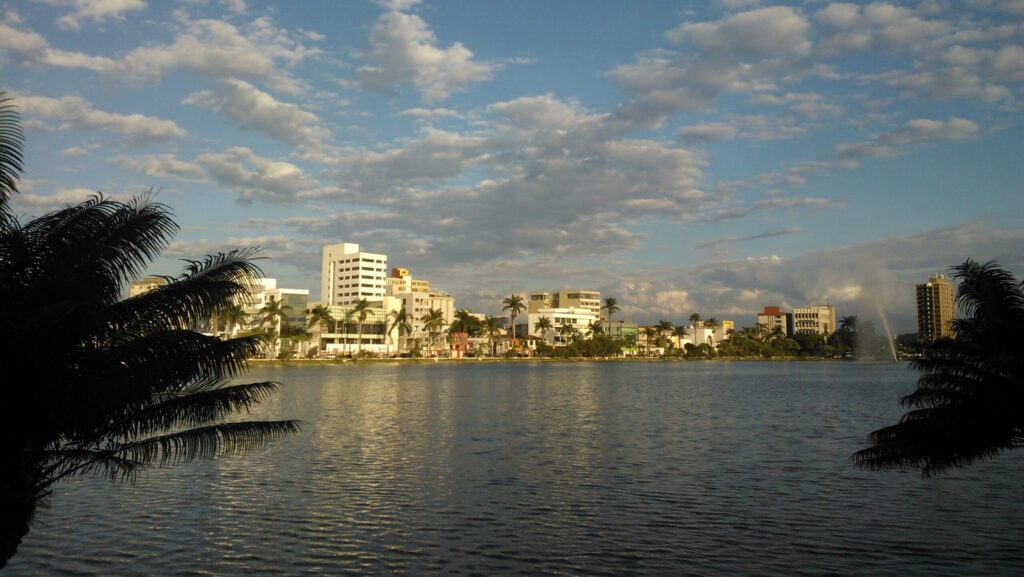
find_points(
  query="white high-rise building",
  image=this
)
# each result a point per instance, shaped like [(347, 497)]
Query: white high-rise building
[(349, 275)]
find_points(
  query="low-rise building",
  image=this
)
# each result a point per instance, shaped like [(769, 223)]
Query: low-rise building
[(138, 287), (578, 318), (814, 320), (774, 318)]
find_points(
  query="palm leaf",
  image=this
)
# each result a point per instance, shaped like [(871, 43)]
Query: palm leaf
[(206, 442), (12, 139)]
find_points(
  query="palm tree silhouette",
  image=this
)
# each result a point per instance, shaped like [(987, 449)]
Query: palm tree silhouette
[(123, 384), (967, 406)]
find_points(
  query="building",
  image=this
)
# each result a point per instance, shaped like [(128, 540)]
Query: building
[(935, 307), (417, 298), (773, 317), (572, 298), (138, 287), (293, 303), (814, 320), (578, 318), (348, 275)]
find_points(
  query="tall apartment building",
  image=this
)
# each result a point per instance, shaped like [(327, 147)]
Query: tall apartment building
[(573, 298), (773, 317), (814, 320), (349, 275), (935, 306)]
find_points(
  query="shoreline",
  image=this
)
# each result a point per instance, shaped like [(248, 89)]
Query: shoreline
[(550, 360)]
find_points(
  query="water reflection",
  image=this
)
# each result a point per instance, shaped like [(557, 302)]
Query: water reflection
[(596, 469)]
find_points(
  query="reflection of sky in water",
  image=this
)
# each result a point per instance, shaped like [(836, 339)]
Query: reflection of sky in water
[(558, 468)]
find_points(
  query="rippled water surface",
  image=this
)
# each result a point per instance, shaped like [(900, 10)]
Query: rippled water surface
[(551, 469)]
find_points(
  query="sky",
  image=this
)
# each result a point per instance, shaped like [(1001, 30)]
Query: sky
[(709, 157)]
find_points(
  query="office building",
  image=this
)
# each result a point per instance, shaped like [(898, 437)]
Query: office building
[(349, 275), (814, 320)]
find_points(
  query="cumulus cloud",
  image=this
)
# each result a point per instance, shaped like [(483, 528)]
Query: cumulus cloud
[(75, 113), (255, 177), (256, 110), (30, 47), (76, 151), (916, 131), (95, 11), (162, 166), (219, 49), (403, 49)]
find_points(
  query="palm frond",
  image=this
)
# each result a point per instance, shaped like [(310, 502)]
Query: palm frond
[(206, 442), (12, 141), (204, 287), (968, 403), (190, 409)]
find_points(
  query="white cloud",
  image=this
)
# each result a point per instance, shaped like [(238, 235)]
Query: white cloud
[(760, 33), (162, 166), (95, 11), (254, 177), (75, 113), (31, 47), (220, 50), (708, 132), (916, 131), (76, 151), (261, 112), (430, 113), (403, 49)]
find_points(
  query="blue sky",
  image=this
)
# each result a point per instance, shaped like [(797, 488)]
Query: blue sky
[(681, 156)]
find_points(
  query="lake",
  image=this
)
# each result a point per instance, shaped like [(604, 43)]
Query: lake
[(618, 468)]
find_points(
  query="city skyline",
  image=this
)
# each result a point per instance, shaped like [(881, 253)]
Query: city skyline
[(711, 159)]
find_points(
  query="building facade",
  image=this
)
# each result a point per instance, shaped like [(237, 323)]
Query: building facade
[(572, 298), (349, 275), (774, 317), (814, 320), (936, 303), (578, 318), (138, 287)]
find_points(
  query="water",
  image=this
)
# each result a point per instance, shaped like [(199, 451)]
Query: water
[(551, 469)]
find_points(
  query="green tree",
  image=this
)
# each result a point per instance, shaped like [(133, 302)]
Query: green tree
[(123, 385), (360, 311), (320, 316), (610, 307), (433, 322), (568, 333), (514, 305), (544, 325), (465, 322), (233, 315), (491, 329), (969, 398), (398, 319), (272, 315)]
